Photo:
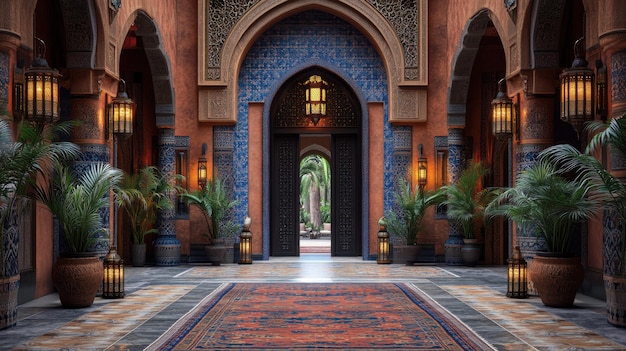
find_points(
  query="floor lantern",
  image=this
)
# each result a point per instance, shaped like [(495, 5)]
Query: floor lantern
[(113, 283), (245, 243), (383, 242), (517, 283)]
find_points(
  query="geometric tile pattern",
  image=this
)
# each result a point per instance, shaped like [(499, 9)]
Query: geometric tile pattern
[(304, 40), (109, 324), (618, 77), (4, 78), (529, 323)]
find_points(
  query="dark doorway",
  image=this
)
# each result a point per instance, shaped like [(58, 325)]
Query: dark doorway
[(288, 124)]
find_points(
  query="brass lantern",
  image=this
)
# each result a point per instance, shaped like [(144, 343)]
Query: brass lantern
[(121, 112), (113, 282), (517, 283), (315, 97), (577, 90), (42, 89), (422, 168), (245, 244), (502, 112), (383, 242), (202, 170)]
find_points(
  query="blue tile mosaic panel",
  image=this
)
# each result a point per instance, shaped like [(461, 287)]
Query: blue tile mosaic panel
[(305, 40)]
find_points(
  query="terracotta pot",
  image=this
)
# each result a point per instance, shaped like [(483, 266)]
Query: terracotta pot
[(77, 280), (557, 279)]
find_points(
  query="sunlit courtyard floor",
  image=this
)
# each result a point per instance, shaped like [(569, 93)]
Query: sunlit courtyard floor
[(158, 296)]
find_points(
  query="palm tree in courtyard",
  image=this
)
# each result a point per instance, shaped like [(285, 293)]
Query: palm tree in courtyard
[(314, 186)]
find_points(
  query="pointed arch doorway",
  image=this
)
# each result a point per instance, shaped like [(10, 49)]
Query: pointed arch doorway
[(289, 125)]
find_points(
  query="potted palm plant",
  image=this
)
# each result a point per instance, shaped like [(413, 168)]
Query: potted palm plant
[(142, 195), (406, 222), (611, 191), (76, 202), (466, 201), (214, 203), (22, 161), (548, 203)]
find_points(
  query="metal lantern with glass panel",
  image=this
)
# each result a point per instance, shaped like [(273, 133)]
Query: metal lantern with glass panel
[(422, 168), (113, 282), (202, 168), (42, 89), (245, 243), (502, 112), (315, 97), (577, 90), (383, 242), (121, 112), (517, 283)]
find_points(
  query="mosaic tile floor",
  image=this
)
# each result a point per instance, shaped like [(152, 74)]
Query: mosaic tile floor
[(158, 296)]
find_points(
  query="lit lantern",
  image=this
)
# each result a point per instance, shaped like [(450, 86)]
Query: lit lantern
[(245, 244), (502, 112), (383, 242), (113, 282), (422, 168), (315, 97), (577, 90), (202, 170), (121, 112), (42, 89), (517, 283)]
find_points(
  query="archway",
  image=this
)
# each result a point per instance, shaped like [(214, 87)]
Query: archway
[(342, 127), (478, 65)]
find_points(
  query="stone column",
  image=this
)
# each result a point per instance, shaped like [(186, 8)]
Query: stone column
[(454, 243), (166, 245), (613, 255), (90, 136), (536, 134)]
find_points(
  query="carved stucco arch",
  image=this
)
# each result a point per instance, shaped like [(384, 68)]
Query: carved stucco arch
[(462, 64), (159, 66), (79, 19), (545, 33), (218, 98)]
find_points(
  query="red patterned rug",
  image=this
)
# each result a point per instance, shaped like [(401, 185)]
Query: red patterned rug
[(294, 316)]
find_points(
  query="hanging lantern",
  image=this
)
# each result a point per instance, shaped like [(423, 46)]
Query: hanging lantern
[(315, 97), (383, 242), (502, 112), (245, 243), (121, 112), (42, 89), (517, 283), (113, 282), (577, 90)]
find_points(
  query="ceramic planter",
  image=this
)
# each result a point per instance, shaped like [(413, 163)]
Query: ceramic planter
[(556, 278), (77, 280)]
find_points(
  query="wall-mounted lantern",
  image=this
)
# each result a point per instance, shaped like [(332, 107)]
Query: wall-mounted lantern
[(422, 168), (577, 90), (120, 112), (502, 112), (42, 89), (202, 170)]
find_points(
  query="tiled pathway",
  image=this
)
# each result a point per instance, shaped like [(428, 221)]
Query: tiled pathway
[(158, 296)]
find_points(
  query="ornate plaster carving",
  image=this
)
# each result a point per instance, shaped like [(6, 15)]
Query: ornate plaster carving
[(228, 28)]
